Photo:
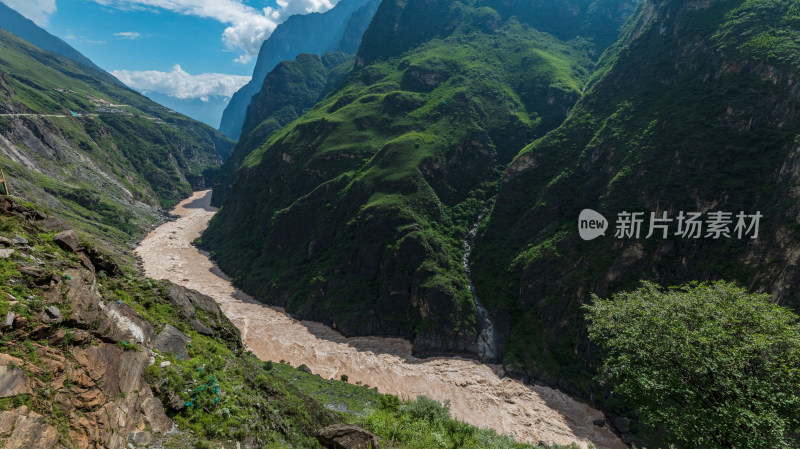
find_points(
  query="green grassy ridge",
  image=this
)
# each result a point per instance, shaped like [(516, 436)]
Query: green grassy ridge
[(355, 213), (400, 26), (289, 90), (683, 118), (129, 162), (266, 404)]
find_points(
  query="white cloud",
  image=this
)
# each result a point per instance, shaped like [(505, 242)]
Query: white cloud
[(247, 27), (128, 35), (37, 10), (180, 84), (83, 39)]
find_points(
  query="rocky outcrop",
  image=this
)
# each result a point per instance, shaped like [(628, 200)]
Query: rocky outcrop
[(83, 354), (22, 428), (203, 314), (67, 240), (172, 341), (342, 436)]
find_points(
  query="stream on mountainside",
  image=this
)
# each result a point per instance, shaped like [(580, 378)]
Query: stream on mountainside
[(488, 342), (478, 393)]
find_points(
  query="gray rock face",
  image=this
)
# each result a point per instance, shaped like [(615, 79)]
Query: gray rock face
[(6, 253), (13, 381), (191, 304), (142, 438), (9, 321), (341, 436), (114, 322), (187, 300), (173, 341), (67, 240), (19, 240), (24, 428)]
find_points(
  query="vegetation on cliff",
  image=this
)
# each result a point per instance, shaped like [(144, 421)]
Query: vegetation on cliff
[(693, 114), (355, 214), (289, 91)]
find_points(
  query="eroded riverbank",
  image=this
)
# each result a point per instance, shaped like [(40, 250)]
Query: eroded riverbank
[(477, 392)]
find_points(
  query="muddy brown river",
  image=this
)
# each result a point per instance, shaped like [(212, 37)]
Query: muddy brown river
[(478, 393)]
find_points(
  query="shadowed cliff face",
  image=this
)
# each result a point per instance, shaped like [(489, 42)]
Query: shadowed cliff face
[(698, 113), (355, 214)]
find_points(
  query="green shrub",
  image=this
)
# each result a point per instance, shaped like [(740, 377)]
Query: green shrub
[(716, 366)]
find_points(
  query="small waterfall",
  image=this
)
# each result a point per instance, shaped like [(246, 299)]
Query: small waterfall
[(488, 344)]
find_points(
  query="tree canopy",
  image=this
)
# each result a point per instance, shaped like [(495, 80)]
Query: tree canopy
[(714, 365)]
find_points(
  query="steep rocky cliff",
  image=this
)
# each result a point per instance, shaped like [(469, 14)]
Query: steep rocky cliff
[(355, 214), (313, 33), (72, 360), (698, 113)]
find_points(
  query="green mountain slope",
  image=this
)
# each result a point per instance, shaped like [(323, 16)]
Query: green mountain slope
[(313, 33), (289, 91), (355, 214), (699, 112), (108, 169)]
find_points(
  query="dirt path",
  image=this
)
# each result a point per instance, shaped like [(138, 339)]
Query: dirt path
[(478, 393)]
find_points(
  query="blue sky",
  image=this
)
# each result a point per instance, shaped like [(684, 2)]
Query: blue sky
[(188, 49)]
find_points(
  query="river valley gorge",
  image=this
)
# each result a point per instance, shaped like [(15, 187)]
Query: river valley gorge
[(478, 393)]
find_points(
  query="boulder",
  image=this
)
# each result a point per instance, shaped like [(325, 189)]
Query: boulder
[(53, 314), (173, 341), (13, 381), (6, 253), (19, 240), (9, 321), (6, 241), (67, 240), (342, 436)]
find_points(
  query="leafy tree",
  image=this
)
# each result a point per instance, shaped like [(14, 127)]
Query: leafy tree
[(716, 366)]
